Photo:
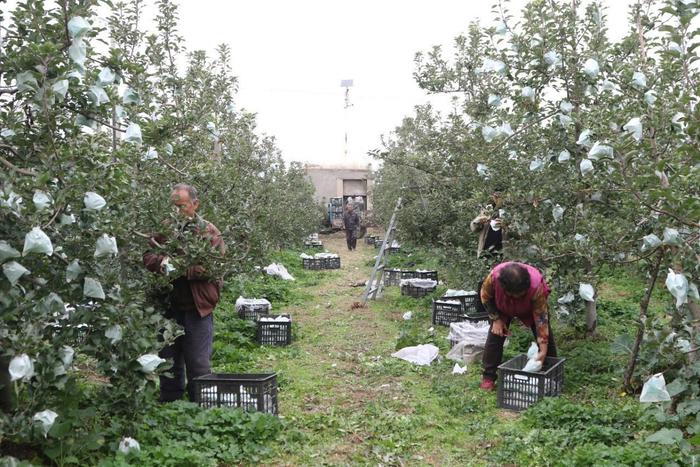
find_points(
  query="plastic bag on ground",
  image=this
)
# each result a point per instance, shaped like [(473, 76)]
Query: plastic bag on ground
[(482, 170), (654, 390), (422, 354), (278, 270), (459, 370), (36, 241), (470, 333), (408, 315)]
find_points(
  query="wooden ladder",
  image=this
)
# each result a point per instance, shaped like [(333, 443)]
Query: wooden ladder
[(376, 279)]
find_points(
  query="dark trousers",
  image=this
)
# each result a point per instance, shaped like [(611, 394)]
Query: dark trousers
[(191, 354), (493, 351), (351, 241)]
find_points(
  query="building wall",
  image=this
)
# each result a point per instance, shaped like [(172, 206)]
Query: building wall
[(328, 181)]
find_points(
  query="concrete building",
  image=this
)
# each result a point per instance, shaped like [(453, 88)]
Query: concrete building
[(335, 181)]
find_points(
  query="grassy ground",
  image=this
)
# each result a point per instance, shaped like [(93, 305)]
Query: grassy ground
[(345, 400)]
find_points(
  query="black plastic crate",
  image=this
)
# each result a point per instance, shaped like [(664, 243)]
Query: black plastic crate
[(518, 390), (416, 292), (445, 312), (251, 312), (471, 304), (251, 392), (432, 275), (392, 249), (369, 239), (314, 244), (393, 276), (378, 242), (312, 263), (273, 332), (330, 263)]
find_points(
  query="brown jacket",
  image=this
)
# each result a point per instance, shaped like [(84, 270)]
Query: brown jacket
[(204, 292), (480, 223)]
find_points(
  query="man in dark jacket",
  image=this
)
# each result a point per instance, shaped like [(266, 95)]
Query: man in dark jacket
[(352, 225), (192, 301)]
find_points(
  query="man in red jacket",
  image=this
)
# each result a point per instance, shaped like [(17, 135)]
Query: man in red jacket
[(192, 301)]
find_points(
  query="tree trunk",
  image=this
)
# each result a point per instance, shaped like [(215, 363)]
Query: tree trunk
[(643, 307), (591, 317), (6, 399), (695, 310)]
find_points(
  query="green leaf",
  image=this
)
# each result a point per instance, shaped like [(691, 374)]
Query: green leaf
[(676, 387), (665, 436)]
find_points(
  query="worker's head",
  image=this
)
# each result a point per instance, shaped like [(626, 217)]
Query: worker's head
[(497, 196), (350, 207), (514, 279), (184, 198)]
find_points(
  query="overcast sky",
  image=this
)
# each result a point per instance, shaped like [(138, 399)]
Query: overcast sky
[(290, 57)]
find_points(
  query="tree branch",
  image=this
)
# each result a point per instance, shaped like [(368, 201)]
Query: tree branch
[(13, 167)]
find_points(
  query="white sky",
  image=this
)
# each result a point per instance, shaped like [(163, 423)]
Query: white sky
[(290, 56)]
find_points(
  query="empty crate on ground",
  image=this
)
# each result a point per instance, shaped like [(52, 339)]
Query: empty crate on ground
[(251, 392), (252, 308), (274, 330), (417, 287), (370, 239), (518, 389), (320, 261)]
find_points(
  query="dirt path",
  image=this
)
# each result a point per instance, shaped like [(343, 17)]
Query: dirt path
[(339, 386)]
